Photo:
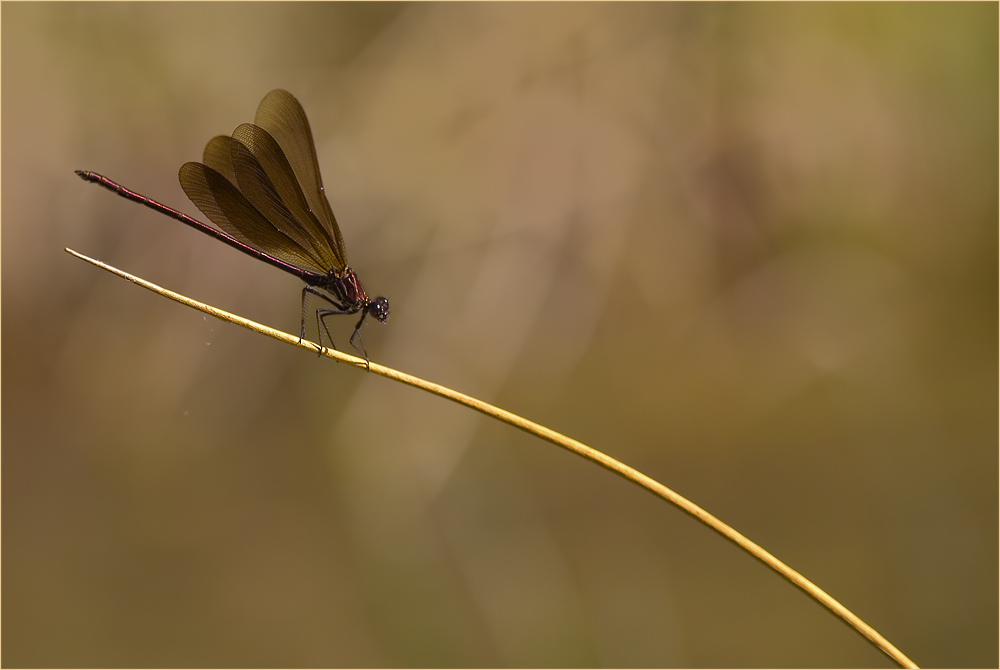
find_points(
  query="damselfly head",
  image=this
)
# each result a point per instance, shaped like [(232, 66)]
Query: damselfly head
[(379, 308)]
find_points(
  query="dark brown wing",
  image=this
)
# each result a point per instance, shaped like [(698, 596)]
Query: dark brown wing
[(219, 199), (281, 115), (216, 156), (253, 183), (282, 182)]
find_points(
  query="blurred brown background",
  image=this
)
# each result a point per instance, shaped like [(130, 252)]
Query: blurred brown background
[(750, 250)]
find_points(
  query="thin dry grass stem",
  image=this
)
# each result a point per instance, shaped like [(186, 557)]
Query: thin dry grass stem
[(558, 439)]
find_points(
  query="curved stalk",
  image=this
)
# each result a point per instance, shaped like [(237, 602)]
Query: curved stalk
[(557, 439)]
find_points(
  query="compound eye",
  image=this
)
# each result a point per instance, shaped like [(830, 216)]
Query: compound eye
[(380, 309)]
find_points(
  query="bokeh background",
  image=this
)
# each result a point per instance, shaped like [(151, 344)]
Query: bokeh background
[(750, 250)]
